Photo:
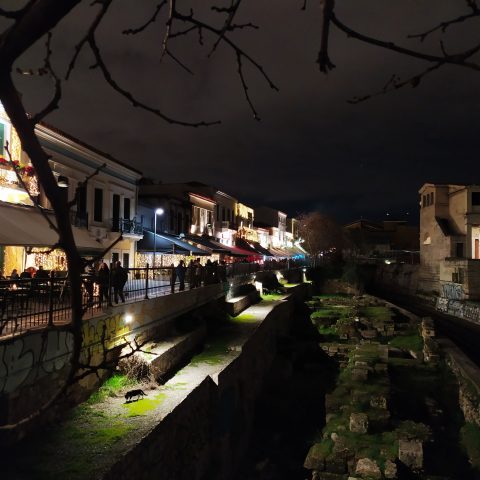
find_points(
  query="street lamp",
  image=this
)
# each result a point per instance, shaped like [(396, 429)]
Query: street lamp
[(158, 211)]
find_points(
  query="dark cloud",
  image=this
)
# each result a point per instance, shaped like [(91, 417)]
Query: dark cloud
[(312, 149)]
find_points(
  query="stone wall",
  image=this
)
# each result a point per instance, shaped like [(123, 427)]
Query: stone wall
[(398, 277)]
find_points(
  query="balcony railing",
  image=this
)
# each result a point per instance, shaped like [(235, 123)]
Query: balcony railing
[(124, 225)]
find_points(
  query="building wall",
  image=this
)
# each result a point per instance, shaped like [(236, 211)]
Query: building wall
[(434, 245)]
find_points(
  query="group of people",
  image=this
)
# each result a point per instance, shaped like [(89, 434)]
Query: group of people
[(29, 273), (106, 279), (197, 274)]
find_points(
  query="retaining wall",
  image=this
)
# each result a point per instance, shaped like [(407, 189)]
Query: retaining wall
[(207, 434)]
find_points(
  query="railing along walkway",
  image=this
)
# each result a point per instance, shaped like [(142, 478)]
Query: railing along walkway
[(28, 304)]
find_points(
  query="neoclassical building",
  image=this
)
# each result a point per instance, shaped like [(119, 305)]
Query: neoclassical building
[(106, 207)]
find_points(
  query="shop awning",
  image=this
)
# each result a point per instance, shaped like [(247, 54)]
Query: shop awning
[(25, 226), (280, 252), (211, 245), (167, 244), (253, 246)]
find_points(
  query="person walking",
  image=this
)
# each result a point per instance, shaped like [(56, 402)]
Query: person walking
[(191, 275), (103, 278), (181, 274), (173, 277), (119, 279), (198, 273)]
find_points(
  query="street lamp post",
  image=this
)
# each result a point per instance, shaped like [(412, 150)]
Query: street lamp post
[(158, 211)]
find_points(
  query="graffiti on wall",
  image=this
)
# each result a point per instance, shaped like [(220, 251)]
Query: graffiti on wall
[(32, 356), (460, 309), (452, 291)]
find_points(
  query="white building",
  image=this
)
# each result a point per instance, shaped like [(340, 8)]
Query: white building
[(105, 209)]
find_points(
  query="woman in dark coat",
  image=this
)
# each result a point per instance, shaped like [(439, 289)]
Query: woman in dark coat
[(103, 279)]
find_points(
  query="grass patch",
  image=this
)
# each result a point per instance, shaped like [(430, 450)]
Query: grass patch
[(110, 388), (412, 342), (470, 440), (144, 405)]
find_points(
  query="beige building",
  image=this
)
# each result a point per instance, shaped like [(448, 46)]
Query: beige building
[(450, 241)]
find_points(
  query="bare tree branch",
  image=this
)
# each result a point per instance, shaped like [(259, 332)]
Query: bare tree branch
[(395, 83), (323, 59), (53, 104), (135, 31), (442, 26), (460, 59)]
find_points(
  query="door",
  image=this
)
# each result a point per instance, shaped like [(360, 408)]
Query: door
[(477, 248), (126, 260)]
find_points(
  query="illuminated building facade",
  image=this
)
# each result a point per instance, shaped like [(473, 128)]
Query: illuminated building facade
[(105, 208)]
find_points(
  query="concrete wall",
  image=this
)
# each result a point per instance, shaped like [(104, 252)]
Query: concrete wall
[(206, 435), (34, 366)]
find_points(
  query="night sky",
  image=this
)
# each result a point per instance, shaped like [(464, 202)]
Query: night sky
[(311, 150)]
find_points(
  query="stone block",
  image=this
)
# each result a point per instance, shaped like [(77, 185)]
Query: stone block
[(369, 334), (315, 458), (390, 471), (359, 374), (336, 463), (358, 422), (410, 452), (378, 401), (367, 468)]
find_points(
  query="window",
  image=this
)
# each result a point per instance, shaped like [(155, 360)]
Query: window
[(475, 198), (223, 214), (115, 257), (82, 199), (115, 213), (459, 249), (126, 260), (458, 276), (431, 198), (126, 208), (98, 205)]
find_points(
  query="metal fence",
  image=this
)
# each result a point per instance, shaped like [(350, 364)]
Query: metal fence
[(28, 303)]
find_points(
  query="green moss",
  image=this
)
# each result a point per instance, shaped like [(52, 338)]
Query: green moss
[(144, 405), (412, 342), (110, 388), (377, 313), (470, 440), (272, 297), (245, 318)]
